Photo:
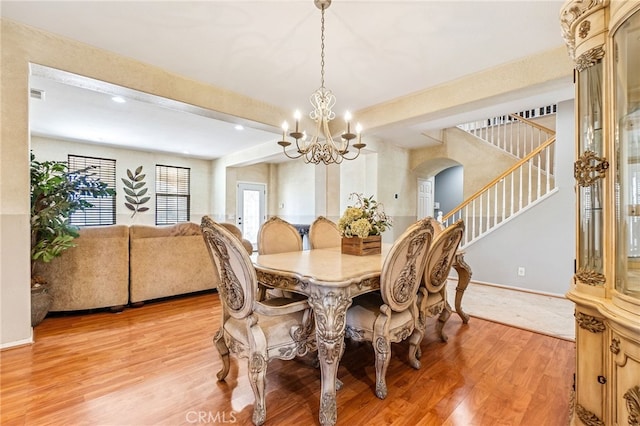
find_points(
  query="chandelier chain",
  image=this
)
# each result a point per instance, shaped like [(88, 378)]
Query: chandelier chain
[(322, 49), (322, 147)]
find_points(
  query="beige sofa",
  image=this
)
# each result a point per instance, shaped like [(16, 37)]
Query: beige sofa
[(113, 266), (94, 274), (167, 261)]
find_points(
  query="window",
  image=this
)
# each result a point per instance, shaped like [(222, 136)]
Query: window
[(173, 186), (103, 211)]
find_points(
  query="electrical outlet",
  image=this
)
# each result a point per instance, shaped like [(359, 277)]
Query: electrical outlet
[(521, 271)]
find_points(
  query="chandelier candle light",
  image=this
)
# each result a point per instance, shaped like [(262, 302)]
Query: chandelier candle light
[(321, 148)]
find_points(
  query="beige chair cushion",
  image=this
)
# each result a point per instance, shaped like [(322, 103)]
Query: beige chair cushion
[(278, 236), (324, 233)]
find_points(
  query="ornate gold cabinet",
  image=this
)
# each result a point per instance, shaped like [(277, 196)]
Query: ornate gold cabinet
[(603, 38)]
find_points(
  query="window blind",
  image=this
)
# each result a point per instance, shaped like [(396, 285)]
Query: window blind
[(173, 194), (103, 211)]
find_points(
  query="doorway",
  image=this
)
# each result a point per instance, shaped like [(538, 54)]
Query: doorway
[(250, 208), (425, 197)]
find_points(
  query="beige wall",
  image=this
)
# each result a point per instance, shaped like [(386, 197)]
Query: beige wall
[(200, 173)]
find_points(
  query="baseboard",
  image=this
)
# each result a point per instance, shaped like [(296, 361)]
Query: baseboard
[(17, 343), (507, 287)]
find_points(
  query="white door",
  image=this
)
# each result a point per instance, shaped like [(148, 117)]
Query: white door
[(425, 197), (251, 209)]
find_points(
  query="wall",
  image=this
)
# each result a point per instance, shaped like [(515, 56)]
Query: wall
[(448, 188), (57, 150), (542, 240), (295, 193)]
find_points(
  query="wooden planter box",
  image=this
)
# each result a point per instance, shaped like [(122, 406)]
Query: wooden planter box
[(362, 246)]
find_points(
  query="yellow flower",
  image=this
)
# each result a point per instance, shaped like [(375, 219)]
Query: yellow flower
[(361, 228), (365, 218)]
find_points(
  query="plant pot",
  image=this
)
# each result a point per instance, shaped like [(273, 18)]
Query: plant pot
[(362, 246), (41, 301)]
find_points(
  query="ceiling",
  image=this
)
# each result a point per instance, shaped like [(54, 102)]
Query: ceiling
[(375, 51)]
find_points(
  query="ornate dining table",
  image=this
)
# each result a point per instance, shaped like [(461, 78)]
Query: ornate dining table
[(331, 279)]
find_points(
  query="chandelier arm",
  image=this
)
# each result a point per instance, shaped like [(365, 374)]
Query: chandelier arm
[(300, 150), (291, 156), (354, 157)]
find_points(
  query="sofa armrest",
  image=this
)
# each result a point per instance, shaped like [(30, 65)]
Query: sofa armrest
[(94, 273)]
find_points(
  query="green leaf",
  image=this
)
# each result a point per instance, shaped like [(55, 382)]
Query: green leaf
[(131, 176), (131, 199), (127, 183), (144, 200), (139, 170), (142, 192), (138, 185), (130, 192), (139, 178)]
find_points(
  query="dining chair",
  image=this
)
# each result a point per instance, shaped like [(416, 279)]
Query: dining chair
[(324, 233), (432, 294), (259, 331), (277, 235), (389, 316)]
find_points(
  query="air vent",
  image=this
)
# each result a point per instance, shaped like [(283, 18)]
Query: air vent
[(37, 94)]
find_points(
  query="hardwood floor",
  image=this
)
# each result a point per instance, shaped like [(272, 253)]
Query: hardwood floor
[(156, 365)]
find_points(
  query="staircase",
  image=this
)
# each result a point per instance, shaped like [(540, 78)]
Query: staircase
[(527, 182)]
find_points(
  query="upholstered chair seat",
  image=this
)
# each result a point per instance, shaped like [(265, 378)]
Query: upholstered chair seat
[(363, 315), (390, 315)]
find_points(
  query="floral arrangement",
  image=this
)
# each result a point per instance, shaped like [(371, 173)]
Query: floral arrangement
[(365, 218)]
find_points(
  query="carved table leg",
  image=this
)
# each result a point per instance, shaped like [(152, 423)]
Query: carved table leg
[(464, 276), (329, 308)]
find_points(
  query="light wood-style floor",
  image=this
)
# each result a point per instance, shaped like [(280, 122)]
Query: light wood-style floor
[(156, 365)]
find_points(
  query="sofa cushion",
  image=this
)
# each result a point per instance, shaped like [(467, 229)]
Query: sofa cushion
[(164, 261)]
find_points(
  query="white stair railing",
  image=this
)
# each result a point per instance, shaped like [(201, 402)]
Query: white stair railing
[(524, 184), (512, 133)]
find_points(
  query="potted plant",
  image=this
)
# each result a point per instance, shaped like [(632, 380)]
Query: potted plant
[(55, 194), (362, 225)]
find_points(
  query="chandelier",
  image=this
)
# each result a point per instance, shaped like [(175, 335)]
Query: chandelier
[(322, 148)]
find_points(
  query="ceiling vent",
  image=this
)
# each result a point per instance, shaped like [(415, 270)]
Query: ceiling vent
[(37, 94)]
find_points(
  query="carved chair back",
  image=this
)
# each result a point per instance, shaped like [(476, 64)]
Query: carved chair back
[(404, 265), (441, 255), (278, 236), (238, 280), (324, 233)]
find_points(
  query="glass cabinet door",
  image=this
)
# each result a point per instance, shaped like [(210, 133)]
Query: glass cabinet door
[(589, 170), (627, 148)]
